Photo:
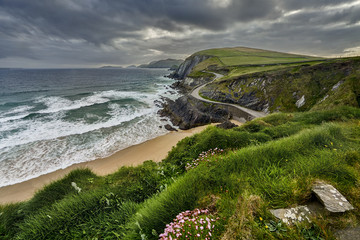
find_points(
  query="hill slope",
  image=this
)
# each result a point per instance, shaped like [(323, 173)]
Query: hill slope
[(216, 59)]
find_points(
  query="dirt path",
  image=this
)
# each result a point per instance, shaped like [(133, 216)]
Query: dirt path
[(195, 94)]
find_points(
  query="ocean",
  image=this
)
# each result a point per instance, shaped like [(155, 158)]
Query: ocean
[(53, 118)]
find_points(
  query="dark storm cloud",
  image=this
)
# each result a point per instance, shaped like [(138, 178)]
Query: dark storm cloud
[(133, 31), (100, 21)]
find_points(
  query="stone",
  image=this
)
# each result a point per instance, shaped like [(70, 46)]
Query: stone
[(299, 103), (336, 86), (294, 215), (73, 184), (331, 198), (227, 125), (169, 128), (348, 234)]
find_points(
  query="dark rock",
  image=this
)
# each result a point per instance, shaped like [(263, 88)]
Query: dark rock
[(169, 128), (185, 68), (227, 125), (188, 112)]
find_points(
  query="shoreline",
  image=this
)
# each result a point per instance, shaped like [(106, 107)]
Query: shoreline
[(155, 149)]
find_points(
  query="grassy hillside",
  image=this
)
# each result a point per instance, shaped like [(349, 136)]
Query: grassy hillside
[(234, 176), (235, 59), (280, 88)]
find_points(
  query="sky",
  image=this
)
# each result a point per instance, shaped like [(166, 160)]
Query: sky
[(93, 33)]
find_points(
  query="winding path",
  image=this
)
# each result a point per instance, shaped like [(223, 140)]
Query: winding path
[(251, 113)]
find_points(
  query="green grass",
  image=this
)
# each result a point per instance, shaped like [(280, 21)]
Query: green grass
[(279, 172), (236, 61), (267, 163), (243, 70), (244, 56)]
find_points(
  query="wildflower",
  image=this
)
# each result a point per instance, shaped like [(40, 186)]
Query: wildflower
[(196, 222), (266, 226), (260, 218)]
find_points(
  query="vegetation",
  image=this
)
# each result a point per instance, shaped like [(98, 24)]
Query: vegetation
[(245, 56), (240, 60), (322, 85), (266, 163)]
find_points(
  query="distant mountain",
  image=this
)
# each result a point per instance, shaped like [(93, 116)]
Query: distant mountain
[(167, 63), (111, 67), (131, 66)]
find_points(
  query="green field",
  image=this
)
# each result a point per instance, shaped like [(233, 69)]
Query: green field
[(240, 60), (244, 56)]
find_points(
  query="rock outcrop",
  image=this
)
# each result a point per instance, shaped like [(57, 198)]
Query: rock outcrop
[(187, 112), (185, 68), (227, 125)]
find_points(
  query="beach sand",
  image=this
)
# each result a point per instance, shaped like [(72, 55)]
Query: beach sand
[(155, 149)]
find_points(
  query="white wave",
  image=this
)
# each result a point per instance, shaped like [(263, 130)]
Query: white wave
[(45, 145), (36, 130), (15, 113), (56, 104), (23, 162), (19, 109), (7, 119)]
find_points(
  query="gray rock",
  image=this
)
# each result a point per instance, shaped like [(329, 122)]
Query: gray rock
[(332, 199), (294, 215), (336, 86), (299, 103), (348, 234), (299, 214)]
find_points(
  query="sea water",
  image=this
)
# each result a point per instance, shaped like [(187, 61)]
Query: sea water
[(53, 118)]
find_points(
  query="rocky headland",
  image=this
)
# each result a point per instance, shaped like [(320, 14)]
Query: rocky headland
[(262, 86)]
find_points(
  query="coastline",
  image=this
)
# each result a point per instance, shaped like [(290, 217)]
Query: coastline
[(155, 149)]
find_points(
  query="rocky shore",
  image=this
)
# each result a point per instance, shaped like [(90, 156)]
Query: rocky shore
[(188, 112)]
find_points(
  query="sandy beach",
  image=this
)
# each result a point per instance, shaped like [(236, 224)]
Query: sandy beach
[(155, 149)]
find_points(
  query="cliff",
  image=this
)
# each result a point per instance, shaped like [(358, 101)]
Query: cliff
[(187, 66)]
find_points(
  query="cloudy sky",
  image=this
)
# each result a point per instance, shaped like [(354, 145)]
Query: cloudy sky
[(91, 33)]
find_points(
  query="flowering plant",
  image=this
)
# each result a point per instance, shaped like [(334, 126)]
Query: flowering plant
[(197, 224), (203, 157)]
